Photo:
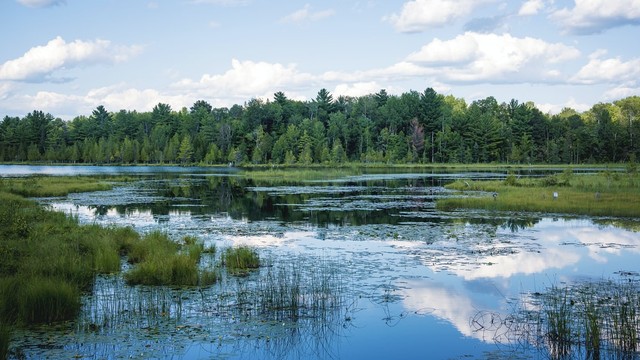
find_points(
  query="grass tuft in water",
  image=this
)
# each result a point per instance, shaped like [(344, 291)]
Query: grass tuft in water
[(240, 259), (161, 261)]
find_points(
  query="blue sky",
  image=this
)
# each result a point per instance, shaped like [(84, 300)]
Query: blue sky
[(66, 57)]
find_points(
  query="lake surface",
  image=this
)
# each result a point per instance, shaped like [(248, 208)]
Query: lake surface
[(415, 282)]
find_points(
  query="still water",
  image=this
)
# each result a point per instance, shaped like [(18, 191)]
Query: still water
[(415, 281)]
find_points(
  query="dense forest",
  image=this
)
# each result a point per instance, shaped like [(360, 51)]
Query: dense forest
[(412, 127)]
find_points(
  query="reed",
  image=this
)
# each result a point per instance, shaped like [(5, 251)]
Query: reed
[(591, 320), (557, 327), (46, 300)]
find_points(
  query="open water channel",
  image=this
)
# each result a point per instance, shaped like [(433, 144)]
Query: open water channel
[(410, 281)]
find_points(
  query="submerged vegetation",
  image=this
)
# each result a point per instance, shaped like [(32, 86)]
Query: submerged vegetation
[(51, 264), (587, 320), (603, 194)]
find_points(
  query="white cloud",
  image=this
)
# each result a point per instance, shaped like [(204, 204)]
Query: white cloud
[(420, 15), (531, 7), (41, 3), (5, 88), (463, 49), (357, 89), (599, 70), (248, 79), (594, 16), (114, 98), (40, 62), (621, 92), (557, 108), (305, 14), (473, 57)]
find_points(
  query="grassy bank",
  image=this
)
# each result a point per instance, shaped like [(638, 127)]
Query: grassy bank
[(49, 260), (604, 194), (40, 186)]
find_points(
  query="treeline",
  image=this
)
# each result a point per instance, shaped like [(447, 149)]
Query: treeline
[(412, 127)]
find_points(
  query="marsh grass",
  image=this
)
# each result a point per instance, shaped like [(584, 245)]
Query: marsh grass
[(158, 260), (590, 320), (39, 186), (240, 259), (5, 339), (604, 194), (297, 174), (42, 248), (292, 291)]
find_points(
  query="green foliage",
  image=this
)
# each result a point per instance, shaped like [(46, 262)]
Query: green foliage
[(511, 180), (240, 259), (411, 127), (48, 259), (632, 166)]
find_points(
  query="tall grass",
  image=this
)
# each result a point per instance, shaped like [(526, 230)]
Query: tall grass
[(605, 194), (590, 320), (5, 339), (37, 186), (40, 248), (161, 261), (240, 259)]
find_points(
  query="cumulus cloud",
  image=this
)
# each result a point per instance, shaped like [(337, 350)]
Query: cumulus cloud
[(556, 108), (5, 88), (531, 7), (40, 62), (486, 24), (420, 15), (472, 57), (114, 98), (41, 3), (601, 70), (595, 16), (357, 89), (248, 79), (620, 92), (305, 15)]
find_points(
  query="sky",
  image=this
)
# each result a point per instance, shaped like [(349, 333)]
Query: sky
[(66, 57)]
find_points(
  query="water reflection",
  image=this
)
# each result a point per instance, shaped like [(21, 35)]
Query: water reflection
[(409, 262)]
